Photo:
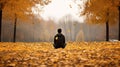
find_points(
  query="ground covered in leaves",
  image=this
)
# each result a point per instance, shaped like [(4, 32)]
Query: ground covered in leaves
[(76, 54)]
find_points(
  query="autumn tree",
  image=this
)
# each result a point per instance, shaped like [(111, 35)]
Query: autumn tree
[(18, 9), (1, 7), (102, 11), (119, 24)]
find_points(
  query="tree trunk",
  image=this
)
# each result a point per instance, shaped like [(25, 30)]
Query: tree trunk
[(107, 31), (119, 24), (14, 38), (107, 27), (0, 23)]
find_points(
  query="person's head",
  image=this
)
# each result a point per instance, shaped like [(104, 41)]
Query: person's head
[(59, 30)]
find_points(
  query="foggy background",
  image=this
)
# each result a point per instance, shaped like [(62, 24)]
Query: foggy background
[(45, 30)]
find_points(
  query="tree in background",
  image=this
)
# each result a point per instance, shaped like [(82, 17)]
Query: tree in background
[(18, 9), (119, 23), (1, 7), (102, 11)]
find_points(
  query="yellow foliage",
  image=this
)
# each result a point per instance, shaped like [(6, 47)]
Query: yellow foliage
[(21, 8), (96, 11)]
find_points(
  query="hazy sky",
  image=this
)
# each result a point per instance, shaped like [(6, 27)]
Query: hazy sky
[(59, 8)]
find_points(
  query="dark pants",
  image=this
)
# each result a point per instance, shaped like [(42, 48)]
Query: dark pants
[(59, 46)]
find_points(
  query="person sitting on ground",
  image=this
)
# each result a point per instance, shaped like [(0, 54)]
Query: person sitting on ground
[(59, 40)]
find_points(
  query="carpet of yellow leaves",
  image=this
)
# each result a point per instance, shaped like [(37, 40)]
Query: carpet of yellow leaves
[(75, 54)]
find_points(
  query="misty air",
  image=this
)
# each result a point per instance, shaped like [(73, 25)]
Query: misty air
[(59, 33)]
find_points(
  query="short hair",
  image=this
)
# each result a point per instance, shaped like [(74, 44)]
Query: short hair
[(59, 30)]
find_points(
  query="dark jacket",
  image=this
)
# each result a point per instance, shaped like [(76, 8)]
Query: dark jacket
[(59, 40)]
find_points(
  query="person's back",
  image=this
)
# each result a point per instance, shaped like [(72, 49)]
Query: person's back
[(59, 40)]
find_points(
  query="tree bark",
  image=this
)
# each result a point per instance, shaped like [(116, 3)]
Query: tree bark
[(107, 27), (15, 23), (119, 25), (107, 31), (0, 23)]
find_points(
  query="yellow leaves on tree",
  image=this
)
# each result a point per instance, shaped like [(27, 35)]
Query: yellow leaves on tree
[(19, 8), (96, 11)]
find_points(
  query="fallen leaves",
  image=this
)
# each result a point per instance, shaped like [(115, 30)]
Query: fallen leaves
[(76, 54)]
